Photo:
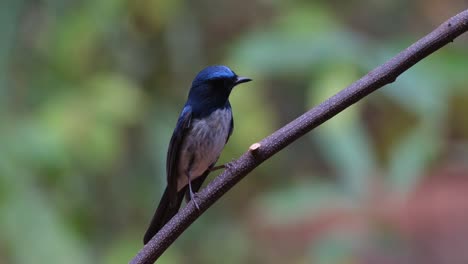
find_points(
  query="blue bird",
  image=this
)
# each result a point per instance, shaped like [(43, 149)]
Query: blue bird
[(203, 128)]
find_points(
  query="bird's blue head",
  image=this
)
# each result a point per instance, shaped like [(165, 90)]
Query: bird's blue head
[(213, 85)]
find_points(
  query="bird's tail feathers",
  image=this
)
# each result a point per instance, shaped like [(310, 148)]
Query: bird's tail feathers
[(165, 211)]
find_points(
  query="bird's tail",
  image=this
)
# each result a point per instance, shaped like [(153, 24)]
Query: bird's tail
[(165, 211)]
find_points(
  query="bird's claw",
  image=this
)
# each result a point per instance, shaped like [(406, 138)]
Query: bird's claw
[(228, 165), (194, 199), (225, 166), (215, 168)]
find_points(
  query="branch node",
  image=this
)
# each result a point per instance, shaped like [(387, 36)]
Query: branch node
[(254, 148)]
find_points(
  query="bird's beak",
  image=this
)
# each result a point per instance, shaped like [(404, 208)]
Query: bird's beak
[(240, 80)]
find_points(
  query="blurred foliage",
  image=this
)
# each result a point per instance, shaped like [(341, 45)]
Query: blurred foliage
[(90, 92)]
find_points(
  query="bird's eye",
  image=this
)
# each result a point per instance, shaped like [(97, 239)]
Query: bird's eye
[(220, 82)]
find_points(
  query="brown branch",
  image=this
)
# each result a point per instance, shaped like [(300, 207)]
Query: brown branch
[(259, 152)]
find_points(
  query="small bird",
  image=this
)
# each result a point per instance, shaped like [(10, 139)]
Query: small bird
[(203, 129)]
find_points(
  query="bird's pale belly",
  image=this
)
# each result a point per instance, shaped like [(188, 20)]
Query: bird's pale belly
[(203, 145)]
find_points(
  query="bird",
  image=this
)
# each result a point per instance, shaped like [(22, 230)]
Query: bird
[(202, 130)]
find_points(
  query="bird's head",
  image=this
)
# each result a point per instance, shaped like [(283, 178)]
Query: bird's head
[(214, 84)]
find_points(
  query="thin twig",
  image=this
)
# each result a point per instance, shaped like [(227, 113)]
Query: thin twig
[(238, 169)]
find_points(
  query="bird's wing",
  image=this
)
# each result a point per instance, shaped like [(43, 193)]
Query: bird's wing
[(231, 128), (174, 148)]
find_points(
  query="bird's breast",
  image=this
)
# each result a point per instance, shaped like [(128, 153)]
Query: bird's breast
[(203, 144)]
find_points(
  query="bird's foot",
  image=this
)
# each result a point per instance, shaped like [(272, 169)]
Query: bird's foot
[(215, 168), (193, 197), (227, 165), (192, 193)]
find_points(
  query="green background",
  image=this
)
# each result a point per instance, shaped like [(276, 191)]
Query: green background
[(90, 92)]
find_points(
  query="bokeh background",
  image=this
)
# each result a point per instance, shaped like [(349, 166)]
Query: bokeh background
[(90, 92)]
